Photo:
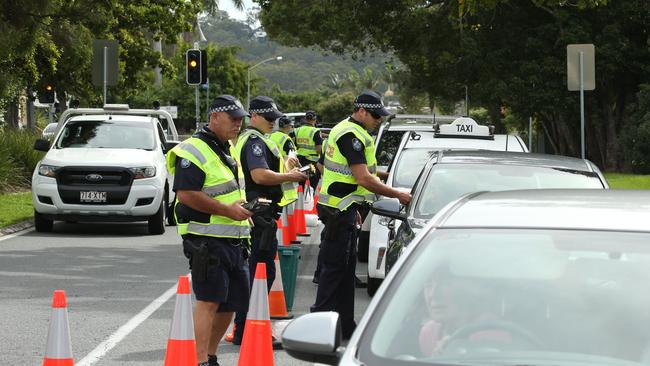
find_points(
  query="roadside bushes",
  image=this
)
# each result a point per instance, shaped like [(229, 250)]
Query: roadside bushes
[(636, 138), (18, 159)]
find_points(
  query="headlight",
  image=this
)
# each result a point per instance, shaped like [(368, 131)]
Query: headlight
[(48, 170), (144, 172)]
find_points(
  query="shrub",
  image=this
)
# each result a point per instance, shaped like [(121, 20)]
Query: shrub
[(19, 159)]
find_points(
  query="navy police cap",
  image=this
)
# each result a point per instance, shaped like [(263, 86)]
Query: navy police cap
[(229, 104), (264, 106), (371, 101)]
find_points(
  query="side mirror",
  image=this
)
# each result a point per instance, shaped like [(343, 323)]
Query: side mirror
[(301, 341), (389, 207), (41, 145), (170, 145)]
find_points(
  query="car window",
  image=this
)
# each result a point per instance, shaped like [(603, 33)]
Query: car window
[(106, 134), (409, 165), (387, 147), (516, 297), (448, 182)]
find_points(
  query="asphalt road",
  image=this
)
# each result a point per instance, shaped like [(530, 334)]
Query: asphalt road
[(120, 284)]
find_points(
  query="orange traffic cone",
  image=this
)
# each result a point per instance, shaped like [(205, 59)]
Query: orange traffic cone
[(299, 214), (291, 222), (277, 302), (59, 349), (256, 347), (181, 346), (286, 231)]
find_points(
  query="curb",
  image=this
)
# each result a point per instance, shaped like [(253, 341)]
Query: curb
[(14, 228)]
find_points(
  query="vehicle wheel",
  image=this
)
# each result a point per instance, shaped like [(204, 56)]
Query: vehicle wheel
[(169, 213), (364, 239), (373, 285), (157, 221), (42, 224)]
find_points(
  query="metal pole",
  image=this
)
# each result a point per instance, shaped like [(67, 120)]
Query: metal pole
[(198, 118), (582, 105), (530, 134), (207, 99), (105, 72), (248, 87)]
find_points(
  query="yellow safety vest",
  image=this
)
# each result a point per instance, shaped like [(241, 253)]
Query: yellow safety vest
[(220, 183), (305, 142), (337, 169), (289, 189), (280, 138)]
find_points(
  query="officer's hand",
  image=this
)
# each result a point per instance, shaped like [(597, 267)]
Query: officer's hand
[(292, 162), (236, 212), (296, 175), (404, 197)]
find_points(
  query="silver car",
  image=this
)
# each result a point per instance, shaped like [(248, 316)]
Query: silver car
[(532, 277)]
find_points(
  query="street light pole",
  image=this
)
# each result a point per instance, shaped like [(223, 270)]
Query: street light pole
[(248, 80)]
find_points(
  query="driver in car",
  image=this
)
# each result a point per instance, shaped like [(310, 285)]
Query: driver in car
[(453, 304)]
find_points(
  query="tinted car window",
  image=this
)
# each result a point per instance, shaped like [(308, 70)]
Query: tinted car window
[(516, 297), (387, 147), (448, 182), (107, 134)]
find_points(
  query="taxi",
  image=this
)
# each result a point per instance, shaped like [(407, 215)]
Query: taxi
[(412, 153), (532, 277)]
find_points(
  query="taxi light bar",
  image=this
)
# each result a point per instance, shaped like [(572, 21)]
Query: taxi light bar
[(465, 127), (116, 107)]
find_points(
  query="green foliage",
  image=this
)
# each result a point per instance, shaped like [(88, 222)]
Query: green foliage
[(636, 137), (335, 108), (15, 207), (627, 181), (19, 159)]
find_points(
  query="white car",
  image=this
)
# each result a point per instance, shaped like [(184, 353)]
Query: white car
[(413, 152), (107, 165)]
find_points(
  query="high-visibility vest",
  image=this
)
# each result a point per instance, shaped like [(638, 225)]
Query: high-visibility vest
[(305, 142), (336, 167), (289, 189), (280, 138), (220, 183)]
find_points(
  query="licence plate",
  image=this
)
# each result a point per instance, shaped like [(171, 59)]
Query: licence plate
[(93, 196)]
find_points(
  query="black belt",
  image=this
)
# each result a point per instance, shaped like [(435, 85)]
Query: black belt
[(231, 241)]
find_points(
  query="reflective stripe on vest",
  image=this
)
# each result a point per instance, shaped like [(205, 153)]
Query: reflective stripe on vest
[(280, 138), (289, 189), (337, 169), (219, 183)]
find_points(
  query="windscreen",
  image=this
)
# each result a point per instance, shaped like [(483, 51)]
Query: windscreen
[(110, 134), (448, 182), (408, 167), (516, 297)]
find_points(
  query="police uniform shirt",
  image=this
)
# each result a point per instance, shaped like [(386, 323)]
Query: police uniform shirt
[(256, 155), (353, 150), (288, 146), (318, 140), (190, 177)]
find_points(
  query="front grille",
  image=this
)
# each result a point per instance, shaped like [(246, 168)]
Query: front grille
[(115, 181)]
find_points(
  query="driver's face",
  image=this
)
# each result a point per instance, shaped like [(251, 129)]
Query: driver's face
[(444, 301)]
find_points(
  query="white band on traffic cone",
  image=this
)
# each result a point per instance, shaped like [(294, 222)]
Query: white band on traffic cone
[(58, 336), (183, 324)]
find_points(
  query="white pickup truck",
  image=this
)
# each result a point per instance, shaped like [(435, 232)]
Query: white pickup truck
[(106, 165)]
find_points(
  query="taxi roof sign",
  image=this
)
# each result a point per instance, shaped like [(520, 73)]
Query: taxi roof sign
[(465, 127)]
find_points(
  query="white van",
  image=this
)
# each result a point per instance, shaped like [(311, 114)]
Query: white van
[(107, 165)]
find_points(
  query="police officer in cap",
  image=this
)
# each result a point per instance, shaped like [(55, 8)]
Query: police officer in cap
[(350, 179), (309, 142), (209, 186), (282, 137), (266, 177)]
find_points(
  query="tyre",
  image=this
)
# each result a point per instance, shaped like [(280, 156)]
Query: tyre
[(157, 221), (373, 285), (42, 224), (364, 240)]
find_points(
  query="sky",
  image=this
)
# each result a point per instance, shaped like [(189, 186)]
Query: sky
[(227, 5)]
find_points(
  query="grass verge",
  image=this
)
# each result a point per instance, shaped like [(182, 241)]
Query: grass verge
[(15, 207), (628, 181)]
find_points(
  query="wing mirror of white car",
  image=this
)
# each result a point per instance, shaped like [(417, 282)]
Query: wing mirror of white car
[(41, 145), (389, 207), (314, 337)]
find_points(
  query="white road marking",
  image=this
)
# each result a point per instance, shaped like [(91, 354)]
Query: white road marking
[(102, 349), (25, 231)]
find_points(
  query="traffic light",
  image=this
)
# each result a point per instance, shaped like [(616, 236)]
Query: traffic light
[(47, 94), (193, 67)]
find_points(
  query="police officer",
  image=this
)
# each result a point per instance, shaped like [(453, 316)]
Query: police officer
[(265, 176), (282, 137), (350, 179), (309, 143), (209, 186)]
